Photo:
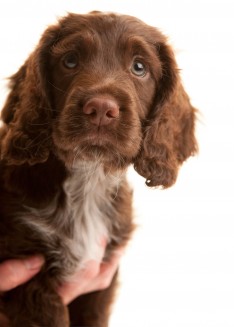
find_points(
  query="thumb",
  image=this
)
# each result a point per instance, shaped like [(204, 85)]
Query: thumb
[(16, 272)]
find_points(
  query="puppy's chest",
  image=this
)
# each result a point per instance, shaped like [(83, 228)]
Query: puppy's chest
[(89, 208), (74, 232)]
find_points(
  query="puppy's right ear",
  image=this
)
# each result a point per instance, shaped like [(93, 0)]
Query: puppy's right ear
[(16, 83), (27, 112)]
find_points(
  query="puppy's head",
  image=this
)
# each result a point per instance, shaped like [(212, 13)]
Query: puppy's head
[(101, 87)]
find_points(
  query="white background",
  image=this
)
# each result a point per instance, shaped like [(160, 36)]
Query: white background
[(179, 268)]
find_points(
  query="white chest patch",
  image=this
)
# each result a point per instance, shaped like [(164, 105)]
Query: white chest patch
[(89, 209), (83, 223)]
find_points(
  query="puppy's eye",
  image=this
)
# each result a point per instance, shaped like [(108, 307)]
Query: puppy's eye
[(138, 68), (70, 60)]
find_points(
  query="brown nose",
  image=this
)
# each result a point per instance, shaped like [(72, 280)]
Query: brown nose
[(101, 111)]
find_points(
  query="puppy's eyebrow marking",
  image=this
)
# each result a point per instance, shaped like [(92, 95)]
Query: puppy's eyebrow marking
[(73, 42)]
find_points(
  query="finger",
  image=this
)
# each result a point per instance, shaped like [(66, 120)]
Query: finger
[(16, 272), (106, 274), (108, 270)]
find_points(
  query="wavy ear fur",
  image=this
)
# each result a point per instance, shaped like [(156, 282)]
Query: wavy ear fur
[(169, 130), (27, 111)]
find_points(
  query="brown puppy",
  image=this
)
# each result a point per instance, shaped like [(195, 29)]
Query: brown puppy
[(100, 92)]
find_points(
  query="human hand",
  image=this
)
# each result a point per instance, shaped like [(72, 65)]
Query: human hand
[(16, 272), (94, 276)]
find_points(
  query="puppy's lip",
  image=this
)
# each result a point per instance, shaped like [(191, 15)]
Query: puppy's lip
[(97, 138), (97, 142)]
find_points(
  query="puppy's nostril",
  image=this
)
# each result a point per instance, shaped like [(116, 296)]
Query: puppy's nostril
[(90, 111), (112, 112)]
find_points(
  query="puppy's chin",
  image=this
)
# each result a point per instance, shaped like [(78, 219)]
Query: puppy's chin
[(100, 148), (100, 154)]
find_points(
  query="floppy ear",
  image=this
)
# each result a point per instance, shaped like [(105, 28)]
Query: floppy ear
[(168, 132), (27, 111)]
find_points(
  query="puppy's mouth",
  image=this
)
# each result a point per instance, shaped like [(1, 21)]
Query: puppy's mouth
[(99, 143), (98, 137)]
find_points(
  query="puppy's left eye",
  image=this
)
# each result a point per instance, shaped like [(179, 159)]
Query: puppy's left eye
[(138, 68), (70, 60)]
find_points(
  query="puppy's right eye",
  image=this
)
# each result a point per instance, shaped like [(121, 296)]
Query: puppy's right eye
[(70, 60)]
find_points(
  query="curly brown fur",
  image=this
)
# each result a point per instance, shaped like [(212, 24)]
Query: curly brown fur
[(100, 92)]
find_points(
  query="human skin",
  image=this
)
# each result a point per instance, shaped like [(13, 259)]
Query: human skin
[(93, 277)]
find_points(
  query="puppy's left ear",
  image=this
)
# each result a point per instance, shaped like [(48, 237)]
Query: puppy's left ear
[(168, 132)]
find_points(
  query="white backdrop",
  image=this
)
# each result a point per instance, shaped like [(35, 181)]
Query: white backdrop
[(179, 268)]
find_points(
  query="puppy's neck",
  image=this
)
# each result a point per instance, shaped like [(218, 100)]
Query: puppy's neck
[(88, 176), (90, 192)]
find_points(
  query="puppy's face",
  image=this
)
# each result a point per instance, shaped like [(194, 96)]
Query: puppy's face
[(104, 71)]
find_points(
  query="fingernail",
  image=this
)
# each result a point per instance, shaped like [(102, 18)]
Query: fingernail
[(34, 263)]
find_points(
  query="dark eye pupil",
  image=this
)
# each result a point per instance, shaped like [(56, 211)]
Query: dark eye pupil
[(138, 69), (70, 60), (138, 66)]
